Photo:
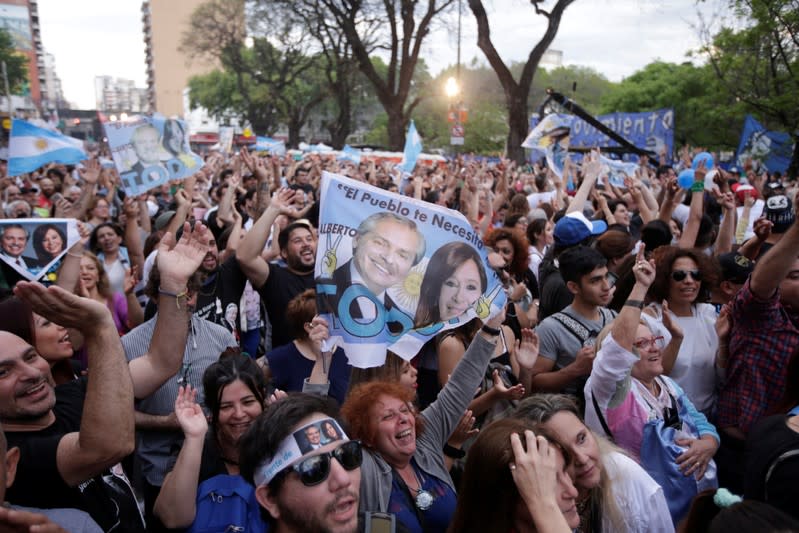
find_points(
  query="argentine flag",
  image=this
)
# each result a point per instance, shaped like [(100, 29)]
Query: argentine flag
[(348, 153), (32, 147), (413, 147), (267, 144)]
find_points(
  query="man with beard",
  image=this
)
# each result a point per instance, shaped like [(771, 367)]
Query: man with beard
[(277, 285), (70, 448), (312, 492), (220, 292), (567, 337)]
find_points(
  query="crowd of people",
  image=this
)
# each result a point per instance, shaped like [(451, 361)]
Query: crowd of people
[(169, 369)]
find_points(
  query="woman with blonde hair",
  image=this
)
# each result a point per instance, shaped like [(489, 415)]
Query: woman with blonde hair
[(615, 493), (94, 284)]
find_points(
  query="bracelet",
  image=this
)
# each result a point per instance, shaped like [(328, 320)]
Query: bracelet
[(698, 186), (490, 330), (453, 453), (176, 295), (635, 303)]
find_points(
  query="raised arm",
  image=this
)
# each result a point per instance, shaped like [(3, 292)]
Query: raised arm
[(625, 326), (168, 343), (691, 229), (106, 430), (444, 413), (776, 264), (176, 502), (132, 236), (727, 230), (591, 169), (249, 251)]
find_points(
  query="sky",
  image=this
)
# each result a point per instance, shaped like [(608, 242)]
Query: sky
[(616, 37)]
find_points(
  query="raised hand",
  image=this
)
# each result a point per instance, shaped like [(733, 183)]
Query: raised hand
[(762, 229), (464, 430), (644, 271), (177, 264), (62, 307), (723, 324), (669, 323), (189, 414), (131, 277), (516, 392), (527, 349), (90, 172)]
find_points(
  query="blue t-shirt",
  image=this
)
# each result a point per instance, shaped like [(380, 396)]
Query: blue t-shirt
[(437, 518), (289, 369)]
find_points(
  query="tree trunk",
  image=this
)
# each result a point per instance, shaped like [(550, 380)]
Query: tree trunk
[(295, 126), (518, 124), (396, 127), (342, 126), (793, 167)]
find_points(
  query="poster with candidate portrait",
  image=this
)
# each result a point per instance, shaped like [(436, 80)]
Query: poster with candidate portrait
[(149, 151), (392, 271), (32, 246)]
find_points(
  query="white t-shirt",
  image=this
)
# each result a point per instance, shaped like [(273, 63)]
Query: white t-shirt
[(640, 499), (694, 370)]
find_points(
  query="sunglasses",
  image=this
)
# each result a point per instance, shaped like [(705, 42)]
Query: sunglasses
[(315, 469), (679, 275)]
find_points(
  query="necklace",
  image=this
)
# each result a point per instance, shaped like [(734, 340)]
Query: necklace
[(424, 498)]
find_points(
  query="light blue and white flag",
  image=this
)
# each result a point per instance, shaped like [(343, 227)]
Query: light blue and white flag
[(551, 138), (348, 153), (413, 147), (32, 147), (267, 144), (617, 170)]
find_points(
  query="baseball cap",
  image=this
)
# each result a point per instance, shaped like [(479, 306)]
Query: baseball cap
[(574, 228), (735, 267), (741, 189), (163, 220), (779, 211)]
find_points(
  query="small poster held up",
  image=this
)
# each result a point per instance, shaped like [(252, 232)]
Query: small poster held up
[(149, 151), (31, 246), (392, 272)]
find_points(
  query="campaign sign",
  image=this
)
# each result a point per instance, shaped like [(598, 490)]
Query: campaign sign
[(150, 151), (31, 246), (392, 272), (649, 130)]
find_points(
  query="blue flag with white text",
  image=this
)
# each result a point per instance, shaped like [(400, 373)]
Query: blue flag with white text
[(31, 147), (413, 147)]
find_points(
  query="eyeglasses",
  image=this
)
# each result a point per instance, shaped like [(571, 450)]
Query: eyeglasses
[(315, 469), (652, 342), (679, 275)]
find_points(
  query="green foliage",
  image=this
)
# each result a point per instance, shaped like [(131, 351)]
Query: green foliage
[(702, 115), (16, 63)]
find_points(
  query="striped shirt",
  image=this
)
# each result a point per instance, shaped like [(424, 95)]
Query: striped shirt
[(206, 341)]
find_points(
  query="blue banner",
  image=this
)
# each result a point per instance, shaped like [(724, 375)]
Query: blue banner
[(650, 130), (150, 151), (392, 272), (773, 149)]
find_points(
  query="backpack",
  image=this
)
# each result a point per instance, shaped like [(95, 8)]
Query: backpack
[(227, 504)]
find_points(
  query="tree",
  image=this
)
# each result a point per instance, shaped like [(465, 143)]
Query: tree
[(16, 63), (397, 27), (275, 79), (758, 65), (703, 114), (517, 92)]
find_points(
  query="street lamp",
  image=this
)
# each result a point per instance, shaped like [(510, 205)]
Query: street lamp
[(451, 88)]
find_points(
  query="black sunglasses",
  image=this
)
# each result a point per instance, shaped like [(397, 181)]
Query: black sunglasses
[(679, 275), (315, 469)]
